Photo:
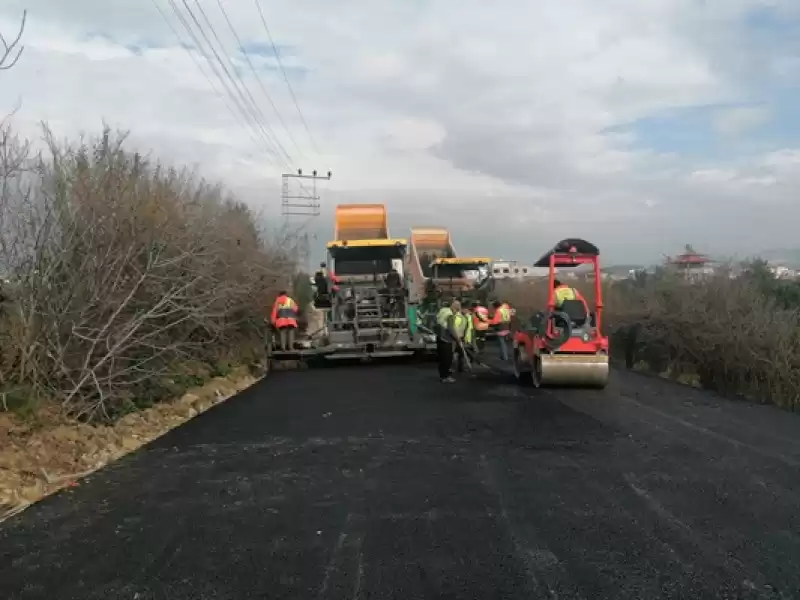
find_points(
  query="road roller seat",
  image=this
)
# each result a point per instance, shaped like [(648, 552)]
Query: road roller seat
[(576, 311)]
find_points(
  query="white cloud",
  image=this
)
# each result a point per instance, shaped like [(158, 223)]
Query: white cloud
[(454, 112)]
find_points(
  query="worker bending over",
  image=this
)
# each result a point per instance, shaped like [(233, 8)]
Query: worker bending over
[(480, 324), (501, 321), (447, 337), (564, 292), (284, 319)]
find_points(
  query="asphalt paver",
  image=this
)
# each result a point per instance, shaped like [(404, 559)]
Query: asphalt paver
[(371, 482)]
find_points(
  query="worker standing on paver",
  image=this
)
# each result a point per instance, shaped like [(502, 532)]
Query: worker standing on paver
[(284, 319), (446, 336), (501, 320)]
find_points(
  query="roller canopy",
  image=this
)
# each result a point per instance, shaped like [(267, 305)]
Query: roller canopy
[(582, 248)]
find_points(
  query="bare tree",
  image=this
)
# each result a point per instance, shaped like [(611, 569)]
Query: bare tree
[(122, 269), (11, 51)]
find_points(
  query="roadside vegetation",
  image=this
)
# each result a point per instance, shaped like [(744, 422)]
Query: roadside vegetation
[(739, 336), (132, 297), (124, 281)]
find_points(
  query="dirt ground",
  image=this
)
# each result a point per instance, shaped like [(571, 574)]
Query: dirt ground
[(44, 454)]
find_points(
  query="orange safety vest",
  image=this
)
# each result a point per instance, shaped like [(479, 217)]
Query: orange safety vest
[(502, 317), (481, 318), (284, 312)]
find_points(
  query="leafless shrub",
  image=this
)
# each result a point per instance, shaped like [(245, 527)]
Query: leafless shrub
[(121, 268), (11, 51)]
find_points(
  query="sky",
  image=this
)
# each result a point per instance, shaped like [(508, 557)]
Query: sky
[(641, 125)]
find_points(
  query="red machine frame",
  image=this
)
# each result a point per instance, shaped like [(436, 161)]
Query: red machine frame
[(568, 253)]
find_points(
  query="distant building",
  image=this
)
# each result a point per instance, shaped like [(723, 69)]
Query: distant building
[(511, 269), (782, 272), (692, 264)]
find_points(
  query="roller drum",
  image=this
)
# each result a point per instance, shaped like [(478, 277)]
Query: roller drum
[(574, 370)]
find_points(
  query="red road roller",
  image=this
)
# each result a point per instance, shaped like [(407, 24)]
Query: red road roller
[(565, 345)]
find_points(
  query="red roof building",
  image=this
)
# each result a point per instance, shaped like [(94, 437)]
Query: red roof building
[(691, 262)]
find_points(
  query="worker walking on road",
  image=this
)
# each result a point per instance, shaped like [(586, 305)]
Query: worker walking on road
[(502, 322), (284, 319), (446, 336)]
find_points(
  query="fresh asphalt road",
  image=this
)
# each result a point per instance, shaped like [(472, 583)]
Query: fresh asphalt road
[(379, 482)]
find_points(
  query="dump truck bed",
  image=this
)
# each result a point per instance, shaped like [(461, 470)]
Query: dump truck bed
[(361, 222)]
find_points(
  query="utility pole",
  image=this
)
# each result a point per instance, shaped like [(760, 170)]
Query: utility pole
[(302, 204), (305, 203)]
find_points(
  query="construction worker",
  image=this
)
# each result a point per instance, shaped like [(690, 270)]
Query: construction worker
[(284, 319), (564, 292), (480, 318), (446, 336), (480, 324), (465, 326), (501, 321), (394, 291)]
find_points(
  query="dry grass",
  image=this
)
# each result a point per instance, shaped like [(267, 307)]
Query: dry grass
[(44, 454), (730, 335)]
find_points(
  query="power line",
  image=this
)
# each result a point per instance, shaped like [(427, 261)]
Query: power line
[(199, 66), (251, 109), (285, 77), (256, 111), (236, 101), (258, 79)]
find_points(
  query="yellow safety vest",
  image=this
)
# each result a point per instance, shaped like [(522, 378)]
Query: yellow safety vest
[(461, 324), (505, 314), (442, 316), (470, 331), (564, 293)]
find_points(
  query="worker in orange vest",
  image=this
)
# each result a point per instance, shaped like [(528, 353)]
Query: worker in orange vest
[(501, 320), (481, 315), (284, 319)]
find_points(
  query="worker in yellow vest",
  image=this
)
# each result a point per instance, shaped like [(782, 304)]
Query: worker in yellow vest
[(447, 332), (465, 326)]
